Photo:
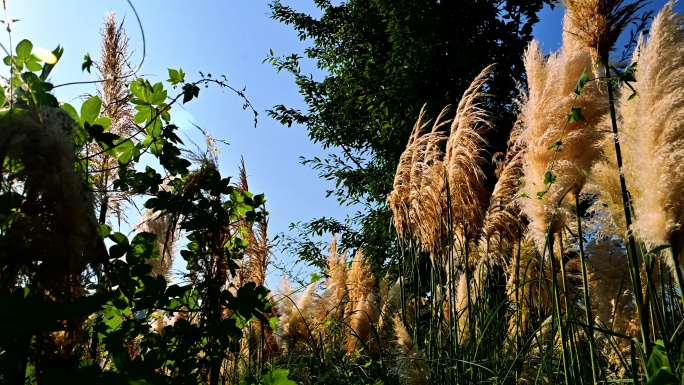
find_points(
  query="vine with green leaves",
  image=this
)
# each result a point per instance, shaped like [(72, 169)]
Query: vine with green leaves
[(78, 299)]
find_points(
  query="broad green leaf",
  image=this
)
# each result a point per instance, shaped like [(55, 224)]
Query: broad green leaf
[(658, 366), (158, 95), (90, 109), (103, 121), (33, 64), (71, 111), (575, 115), (277, 377), (24, 49), (176, 76), (136, 89), (124, 151), (3, 98), (581, 82), (105, 230), (549, 178), (144, 113)]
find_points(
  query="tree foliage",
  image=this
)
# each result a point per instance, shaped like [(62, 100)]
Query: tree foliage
[(382, 61)]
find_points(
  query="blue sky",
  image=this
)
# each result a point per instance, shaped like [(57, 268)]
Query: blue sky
[(220, 37)]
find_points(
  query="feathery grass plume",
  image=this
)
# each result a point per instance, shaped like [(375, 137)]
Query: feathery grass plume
[(399, 198), (257, 257), (597, 24), (653, 127), (296, 316), (114, 93), (333, 301), (428, 193), (411, 365), (464, 159), (417, 199), (53, 234), (552, 177), (502, 219), (389, 305), (359, 285), (361, 322), (360, 281)]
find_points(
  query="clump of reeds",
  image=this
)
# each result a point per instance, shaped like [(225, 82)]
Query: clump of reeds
[(417, 199), (438, 183), (342, 315)]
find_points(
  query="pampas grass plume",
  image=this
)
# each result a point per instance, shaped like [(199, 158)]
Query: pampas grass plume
[(653, 126)]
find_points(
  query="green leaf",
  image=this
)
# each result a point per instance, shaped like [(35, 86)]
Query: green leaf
[(33, 64), (105, 230), (3, 98), (158, 94), (630, 74), (125, 150), (71, 111), (658, 249), (555, 145), (176, 76), (277, 377), (144, 113), (632, 96), (549, 178), (190, 91), (581, 82), (658, 367), (87, 63), (103, 121), (90, 109), (575, 115), (24, 49)]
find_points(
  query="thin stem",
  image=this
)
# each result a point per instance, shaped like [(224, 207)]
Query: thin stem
[(585, 290), (631, 243)]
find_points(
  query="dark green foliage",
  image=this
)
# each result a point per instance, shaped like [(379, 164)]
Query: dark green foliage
[(91, 320), (383, 60)]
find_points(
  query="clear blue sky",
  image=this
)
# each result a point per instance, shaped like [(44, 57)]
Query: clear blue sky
[(222, 38)]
